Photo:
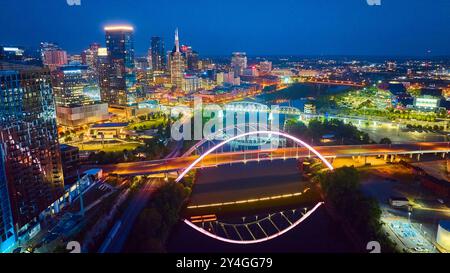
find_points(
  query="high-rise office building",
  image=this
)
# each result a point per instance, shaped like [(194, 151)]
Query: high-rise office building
[(76, 59), (7, 234), (103, 74), (177, 64), (191, 83), (265, 67), (55, 58), (157, 54), (48, 46), (191, 58), (12, 53), (239, 63), (90, 56), (122, 78), (251, 71), (30, 162), (74, 107), (68, 84)]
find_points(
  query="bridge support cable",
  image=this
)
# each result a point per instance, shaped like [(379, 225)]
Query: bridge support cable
[(237, 231), (213, 230), (249, 231), (287, 219), (311, 151), (225, 230), (262, 229), (273, 223)]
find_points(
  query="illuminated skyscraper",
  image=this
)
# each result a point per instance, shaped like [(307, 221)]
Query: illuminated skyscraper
[(157, 54), (90, 56), (191, 83), (68, 84), (55, 58), (48, 46), (239, 63), (265, 67), (177, 64), (12, 53), (103, 74), (122, 79), (7, 234), (191, 58), (30, 157), (74, 107)]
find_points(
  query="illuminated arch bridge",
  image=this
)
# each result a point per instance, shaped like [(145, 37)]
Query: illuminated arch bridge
[(266, 236)]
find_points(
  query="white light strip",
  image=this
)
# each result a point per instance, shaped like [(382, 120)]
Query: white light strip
[(189, 168), (247, 242), (192, 165)]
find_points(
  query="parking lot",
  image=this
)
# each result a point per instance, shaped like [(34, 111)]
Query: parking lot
[(411, 238)]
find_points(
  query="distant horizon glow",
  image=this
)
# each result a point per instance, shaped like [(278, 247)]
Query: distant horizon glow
[(260, 28)]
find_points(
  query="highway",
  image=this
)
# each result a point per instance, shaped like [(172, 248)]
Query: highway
[(116, 239), (216, 159)]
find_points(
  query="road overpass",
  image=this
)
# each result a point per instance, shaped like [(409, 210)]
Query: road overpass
[(330, 152)]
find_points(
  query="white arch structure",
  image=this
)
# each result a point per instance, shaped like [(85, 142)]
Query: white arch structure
[(223, 131), (296, 223)]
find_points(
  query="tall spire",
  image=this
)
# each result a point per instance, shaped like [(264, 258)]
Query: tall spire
[(177, 41)]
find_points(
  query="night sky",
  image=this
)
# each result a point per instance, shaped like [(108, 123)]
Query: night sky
[(218, 27)]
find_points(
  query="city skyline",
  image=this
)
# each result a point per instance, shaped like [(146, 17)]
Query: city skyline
[(285, 28), (225, 127)]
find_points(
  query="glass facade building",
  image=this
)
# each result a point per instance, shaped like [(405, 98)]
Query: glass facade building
[(158, 55), (177, 64), (7, 234), (122, 77), (28, 136), (239, 63), (69, 83)]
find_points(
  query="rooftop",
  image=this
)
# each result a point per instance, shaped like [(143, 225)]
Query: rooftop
[(119, 28), (110, 125), (445, 224), (66, 147)]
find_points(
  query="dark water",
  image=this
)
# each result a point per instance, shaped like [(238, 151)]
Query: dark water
[(302, 91), (242, 181), (318, 233)]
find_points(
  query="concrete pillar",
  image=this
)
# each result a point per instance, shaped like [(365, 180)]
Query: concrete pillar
[(418, 157), (385, 157)]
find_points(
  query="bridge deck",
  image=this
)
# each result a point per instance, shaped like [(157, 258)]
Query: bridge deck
[(178, 163)]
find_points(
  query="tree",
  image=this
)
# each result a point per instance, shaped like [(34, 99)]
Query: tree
[(296, 128), (343, 190), (340, 182), (385, 140)]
